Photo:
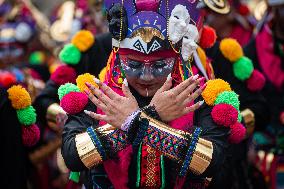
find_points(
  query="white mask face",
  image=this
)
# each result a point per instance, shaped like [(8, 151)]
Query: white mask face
[(178, 23), (189, 42)]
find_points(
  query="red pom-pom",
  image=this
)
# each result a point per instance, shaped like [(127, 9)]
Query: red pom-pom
[(256, 81), (244, 10), (7, 79), (74, 102), (224, 115), (208, 37), (63, 74), (30, 135), (238, 133)]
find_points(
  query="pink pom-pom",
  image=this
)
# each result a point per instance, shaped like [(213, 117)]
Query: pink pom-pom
[(63, 74), (256, 81), (238, 133), (74, 102), (30, 135), (224, 115)]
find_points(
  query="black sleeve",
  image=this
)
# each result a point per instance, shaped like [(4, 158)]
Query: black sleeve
[(47, 97), (13, 152), (74, 125), (218, 135)]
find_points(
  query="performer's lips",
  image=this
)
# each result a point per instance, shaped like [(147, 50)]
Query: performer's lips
[(145, 86)]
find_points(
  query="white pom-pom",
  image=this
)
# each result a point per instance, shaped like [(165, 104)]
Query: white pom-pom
[(23, 32)]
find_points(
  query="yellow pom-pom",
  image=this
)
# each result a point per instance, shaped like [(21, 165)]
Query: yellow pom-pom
[(102, 74), (83, 40), (120, 80), (82, 79), (213, 88), (231, 49), (202, 56), (19, 97)]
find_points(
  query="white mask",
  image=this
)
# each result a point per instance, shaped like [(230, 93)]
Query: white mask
[(178, 23), (189, 41)]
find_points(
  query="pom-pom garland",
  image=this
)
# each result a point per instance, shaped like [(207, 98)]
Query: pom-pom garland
[(74, 102), (83, 40), (213, 89), (242, 66), (256, 81), (208, 37), (63, 74), (224, 114), (21, 101), (82, 79), (19, 97), (30, 135), (226, 104), (237, 134), (70, 54), (67, 88), (27, 116)]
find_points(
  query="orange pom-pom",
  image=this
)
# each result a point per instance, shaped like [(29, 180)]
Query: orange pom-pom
[(231, 49), (83, 79), (202, 56), (19, 97), (83, 40), (213, 89), (208, 37)]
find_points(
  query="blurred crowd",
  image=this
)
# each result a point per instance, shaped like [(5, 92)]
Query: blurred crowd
[(32, 35)]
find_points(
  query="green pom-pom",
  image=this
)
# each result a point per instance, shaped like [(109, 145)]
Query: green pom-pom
[(228, 97), (36, 58), (243, 68), (240, 117), (70, 54), (27, 116), (67, 88)]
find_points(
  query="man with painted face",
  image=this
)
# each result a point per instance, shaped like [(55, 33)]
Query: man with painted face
[(146, 125)]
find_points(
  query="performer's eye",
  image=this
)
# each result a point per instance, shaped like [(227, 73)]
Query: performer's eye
[(159, 64), (134, 64)]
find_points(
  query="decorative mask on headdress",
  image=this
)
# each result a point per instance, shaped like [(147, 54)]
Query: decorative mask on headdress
[(152, 25)]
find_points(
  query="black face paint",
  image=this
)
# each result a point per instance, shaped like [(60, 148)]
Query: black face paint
[(146, 71)]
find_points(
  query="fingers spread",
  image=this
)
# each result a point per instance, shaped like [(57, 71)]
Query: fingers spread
[(107, 90), (96, 101), (125, 89), (99, 94), (194, 95), (167, 85), (183, 85)]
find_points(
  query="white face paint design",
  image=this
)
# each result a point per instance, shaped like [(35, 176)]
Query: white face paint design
[(189, 42), (178, 23)]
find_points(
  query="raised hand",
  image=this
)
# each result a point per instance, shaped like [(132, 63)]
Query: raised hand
[(173, 103), (116, 108)]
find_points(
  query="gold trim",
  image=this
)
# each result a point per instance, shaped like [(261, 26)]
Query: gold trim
[(87, 151), (147, 34), (219, 6), (202, 156)]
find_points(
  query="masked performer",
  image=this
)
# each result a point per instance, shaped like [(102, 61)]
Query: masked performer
[(161, 133)]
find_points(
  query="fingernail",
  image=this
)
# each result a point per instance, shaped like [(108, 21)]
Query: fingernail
[(125, 83), (97, 81), (87, 92), (201, 103), (88, 84), (195, 77), (87, 112), (203, 87), (169, 77)]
